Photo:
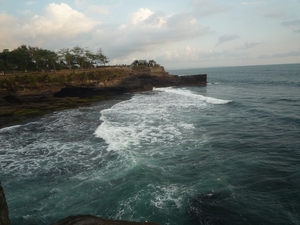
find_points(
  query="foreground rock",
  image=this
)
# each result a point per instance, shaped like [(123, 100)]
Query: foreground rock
[(28, 95), (93, 220), (4, 219), (72, 220)]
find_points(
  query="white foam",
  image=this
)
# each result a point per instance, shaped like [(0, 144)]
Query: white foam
[(188, 93), (217, 101), (143, 120), (5, 129)]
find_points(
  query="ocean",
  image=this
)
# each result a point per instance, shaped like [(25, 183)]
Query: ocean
[(224, 153)]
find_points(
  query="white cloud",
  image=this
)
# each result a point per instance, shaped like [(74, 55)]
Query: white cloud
[(156, 20), (60, 21), (226, 38), (141, 15), (7, 35), (150, 31)]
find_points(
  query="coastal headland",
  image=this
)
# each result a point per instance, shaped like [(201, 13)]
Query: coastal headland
[(24, 95)]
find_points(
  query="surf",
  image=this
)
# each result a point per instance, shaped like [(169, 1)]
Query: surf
[(190, 94)]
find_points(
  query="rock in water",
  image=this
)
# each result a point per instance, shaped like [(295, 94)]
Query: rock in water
[(93, 220), (4, 219)]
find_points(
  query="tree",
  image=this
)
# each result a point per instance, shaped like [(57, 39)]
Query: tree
[(90, 57), (101, 57), (66, 56), (51, 58), (79, 55), (21, 57)]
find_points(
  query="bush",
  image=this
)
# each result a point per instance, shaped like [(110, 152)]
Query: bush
[(8, 84)]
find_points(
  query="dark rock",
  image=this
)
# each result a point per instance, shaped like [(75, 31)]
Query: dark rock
[(93, 220), (199, 79), (28, 100), (4, 219), (85, 92)]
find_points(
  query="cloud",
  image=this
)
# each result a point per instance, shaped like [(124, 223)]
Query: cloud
[(207, 7), (30, 3), (149, 31), (294, 53), (189, 56), (291, 23), (287, 54), (294, 24), (275, 15), (59, 21), (97, 9), (61, 26), (249, 44), (141, 15), (58, 25), (7, 35), (226, 38), (156, 20)]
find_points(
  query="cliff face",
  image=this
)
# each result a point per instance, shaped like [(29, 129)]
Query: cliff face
[(93, 220), (132, 83), (4, 220), (27, 95)]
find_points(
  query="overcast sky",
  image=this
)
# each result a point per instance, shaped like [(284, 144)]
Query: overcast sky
[(175, 33)]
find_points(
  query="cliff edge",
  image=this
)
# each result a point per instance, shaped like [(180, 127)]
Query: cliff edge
[(4, 219), (29, 94)]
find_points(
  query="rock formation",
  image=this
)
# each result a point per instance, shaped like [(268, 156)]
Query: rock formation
[(93, 220), (4, 219), (29, 95)]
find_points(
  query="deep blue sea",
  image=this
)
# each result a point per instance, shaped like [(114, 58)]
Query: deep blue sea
[(224, 153)]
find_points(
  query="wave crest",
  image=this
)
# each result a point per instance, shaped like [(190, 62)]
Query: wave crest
[(188, 93)]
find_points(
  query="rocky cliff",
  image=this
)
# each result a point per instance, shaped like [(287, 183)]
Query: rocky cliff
[(25, 95), (4, 219)]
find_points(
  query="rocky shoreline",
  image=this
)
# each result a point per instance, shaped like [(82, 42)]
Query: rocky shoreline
[(24, 96)]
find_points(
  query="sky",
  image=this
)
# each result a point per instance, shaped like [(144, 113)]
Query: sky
[(178, 34)]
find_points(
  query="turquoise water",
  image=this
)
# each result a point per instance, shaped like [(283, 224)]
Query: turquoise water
[(225, 153)]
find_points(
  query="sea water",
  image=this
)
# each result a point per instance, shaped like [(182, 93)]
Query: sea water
[(224, 153)]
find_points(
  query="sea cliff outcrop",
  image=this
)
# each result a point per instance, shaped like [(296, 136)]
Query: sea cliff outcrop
[(27, 95), (93, 220), (4, 219)]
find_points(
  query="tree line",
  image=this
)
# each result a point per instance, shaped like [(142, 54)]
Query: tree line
[(29, 58)]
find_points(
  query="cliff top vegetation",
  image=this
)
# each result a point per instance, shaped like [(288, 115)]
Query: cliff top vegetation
[(29, 58)]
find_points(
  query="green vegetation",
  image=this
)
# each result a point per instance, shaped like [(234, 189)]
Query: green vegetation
[(35, 80), (28, 58)]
